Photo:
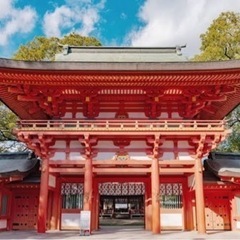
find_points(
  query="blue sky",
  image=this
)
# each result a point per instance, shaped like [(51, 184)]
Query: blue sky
[(142, 23)]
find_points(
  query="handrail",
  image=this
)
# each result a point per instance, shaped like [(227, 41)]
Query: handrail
[(121, 125)]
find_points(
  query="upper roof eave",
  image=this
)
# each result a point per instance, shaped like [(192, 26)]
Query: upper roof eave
[(118, 66)]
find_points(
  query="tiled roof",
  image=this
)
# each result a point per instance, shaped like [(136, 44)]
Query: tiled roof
[(16, 163), (121, 54), (224, 164)]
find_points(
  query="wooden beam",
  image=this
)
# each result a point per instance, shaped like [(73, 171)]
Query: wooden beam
[(177, 170), (121, 170), (125, 162), (67, 162), (16, 178), (176, 162), (66, 170)]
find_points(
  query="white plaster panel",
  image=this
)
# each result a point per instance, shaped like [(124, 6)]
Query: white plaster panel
[(79, 115), (238, 225), (58, 156), (184, 156), (191, 181), (137, 115), (164, 115), (59, 144), (183, 144), (52, 181), (75, 144), (67, 115), (105, 156), (107, 115), (168, 156), (167, 144), (75, 156), (175, 115), (106, 144), (137, 144), (70, 220), (171, 219), (3, 223), (138, 156)]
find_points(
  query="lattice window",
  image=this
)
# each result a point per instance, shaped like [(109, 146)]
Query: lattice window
[(4, 205), (171, 195), (238, 205), (72, 195), (117, 189)]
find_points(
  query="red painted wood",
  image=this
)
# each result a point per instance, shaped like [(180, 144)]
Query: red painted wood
[(155, 197), (24, 209), (199, 194), (43, 198)]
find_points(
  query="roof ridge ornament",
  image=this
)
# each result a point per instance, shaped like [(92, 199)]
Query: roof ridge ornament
[(65, 48), (179, 49)]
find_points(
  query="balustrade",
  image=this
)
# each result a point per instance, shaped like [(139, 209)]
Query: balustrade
[(121, 125)]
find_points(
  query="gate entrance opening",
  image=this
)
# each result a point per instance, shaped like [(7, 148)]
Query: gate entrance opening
[(121, 203)]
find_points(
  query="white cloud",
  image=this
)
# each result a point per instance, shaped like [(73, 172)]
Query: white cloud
[(15, 20), (80, 16), (169, 23)]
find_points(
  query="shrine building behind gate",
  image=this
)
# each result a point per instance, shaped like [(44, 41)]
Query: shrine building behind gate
[(122, 132)]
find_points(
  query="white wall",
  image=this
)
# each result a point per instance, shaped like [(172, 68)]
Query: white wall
[(3, 223), (137, 115), (171, 219), (238, 224), (168, 156), (58, 156), (61, 146), (52, 181), (107, 115), (139, 156), (175, 115), (67, 115), (70, 221)]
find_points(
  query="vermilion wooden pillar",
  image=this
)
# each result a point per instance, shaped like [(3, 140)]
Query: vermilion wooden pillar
[(43, 197), (199, 194), (88, 186), (56, 205), (155, 197), (94, 207), (97, 206), (148, 206)]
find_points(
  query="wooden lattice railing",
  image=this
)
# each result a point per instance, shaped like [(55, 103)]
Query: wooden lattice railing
[(122, 125)]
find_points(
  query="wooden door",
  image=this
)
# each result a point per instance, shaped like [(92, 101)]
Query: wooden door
[(25, 209), (217, 211)]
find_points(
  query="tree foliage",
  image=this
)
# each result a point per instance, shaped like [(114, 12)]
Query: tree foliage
[(222, 42), (8, 141), (232, 143), (43, 48), (40, 48), (222, 39)]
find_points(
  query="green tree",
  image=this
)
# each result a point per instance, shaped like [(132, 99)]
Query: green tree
[(222, 42), (232, 143), (40, 48), (222, 39), (8, 141), (43, 48)]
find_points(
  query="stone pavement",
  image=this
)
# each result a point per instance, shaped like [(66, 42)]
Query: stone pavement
[(119, 233)]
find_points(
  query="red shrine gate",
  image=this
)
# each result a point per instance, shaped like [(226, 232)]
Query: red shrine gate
[(122, 117), (123, 200)]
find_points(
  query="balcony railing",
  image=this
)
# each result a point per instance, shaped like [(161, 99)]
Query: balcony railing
[(122, 125)]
